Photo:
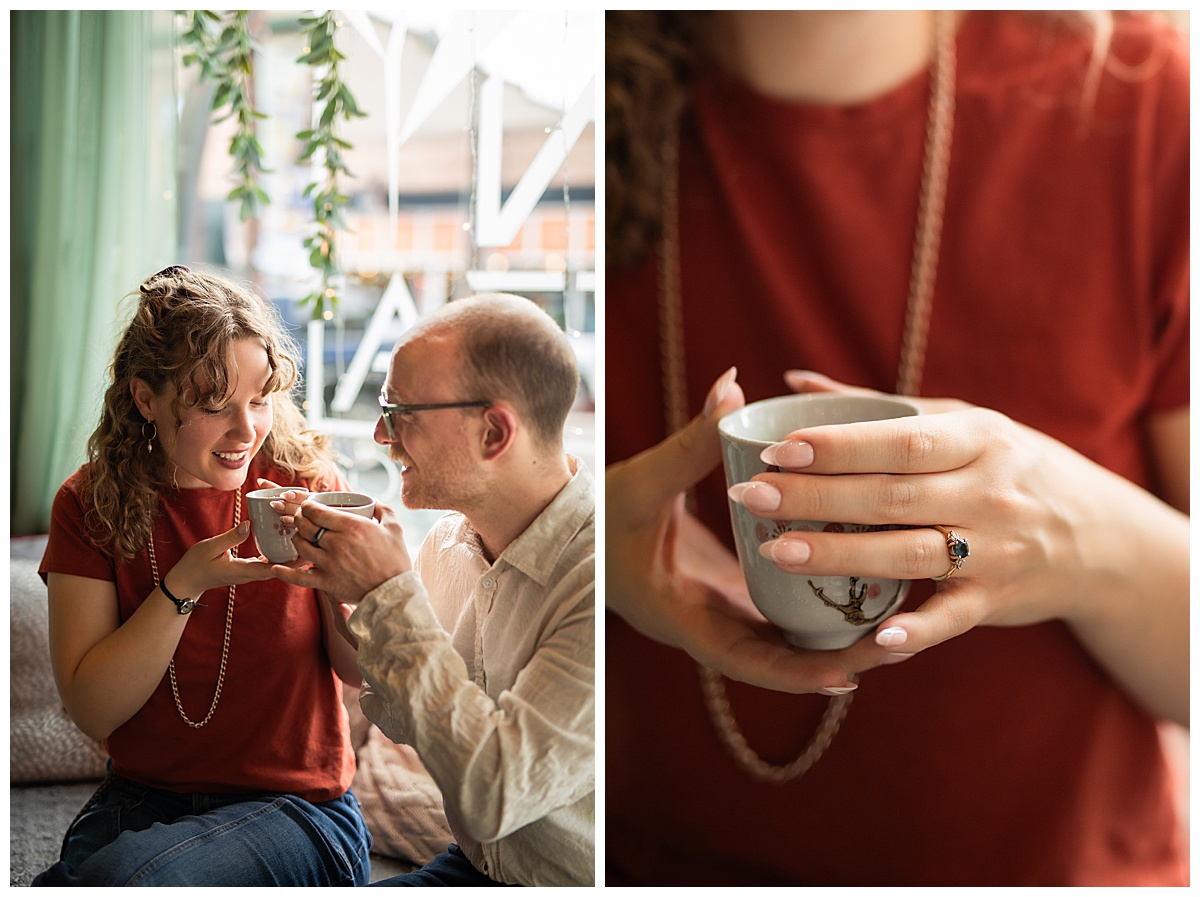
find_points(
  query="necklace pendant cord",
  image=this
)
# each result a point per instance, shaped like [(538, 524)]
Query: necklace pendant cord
[(237, 519), (927, 242), (735, 743)]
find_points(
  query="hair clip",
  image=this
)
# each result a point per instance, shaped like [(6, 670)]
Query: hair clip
[(163, 273)]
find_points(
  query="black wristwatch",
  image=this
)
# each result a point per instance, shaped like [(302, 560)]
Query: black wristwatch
[(184, 607)]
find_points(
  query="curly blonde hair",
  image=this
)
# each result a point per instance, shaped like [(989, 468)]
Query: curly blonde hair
[(180, 339), (648, 58)]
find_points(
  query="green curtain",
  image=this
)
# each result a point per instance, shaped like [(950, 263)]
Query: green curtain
[(93, 131)]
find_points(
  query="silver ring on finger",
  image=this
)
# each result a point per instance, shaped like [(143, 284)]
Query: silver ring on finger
[(957, 548), (316, 539)]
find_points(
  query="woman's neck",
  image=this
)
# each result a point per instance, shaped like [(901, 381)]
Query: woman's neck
[(837, 57)]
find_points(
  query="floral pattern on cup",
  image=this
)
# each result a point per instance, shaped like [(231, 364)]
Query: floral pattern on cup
[(859, 592)]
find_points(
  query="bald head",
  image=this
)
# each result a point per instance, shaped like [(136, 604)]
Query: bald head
[(510, 349)]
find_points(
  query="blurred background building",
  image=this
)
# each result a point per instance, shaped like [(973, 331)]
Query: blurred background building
[(473, 169)]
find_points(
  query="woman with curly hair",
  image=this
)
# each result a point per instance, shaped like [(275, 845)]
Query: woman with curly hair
[(987, 206), (215, 687)]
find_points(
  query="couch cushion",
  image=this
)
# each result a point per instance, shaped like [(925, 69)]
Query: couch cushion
[(400, 800), (44, 745)]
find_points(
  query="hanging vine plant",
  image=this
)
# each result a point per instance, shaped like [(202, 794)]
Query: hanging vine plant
[(226, 58), (224, 51), (328, 201)]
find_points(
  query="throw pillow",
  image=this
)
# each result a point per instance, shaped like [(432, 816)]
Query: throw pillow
[(44, 745), (400, 800)]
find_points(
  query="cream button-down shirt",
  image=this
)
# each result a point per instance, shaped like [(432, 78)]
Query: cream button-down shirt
[(488, 671)]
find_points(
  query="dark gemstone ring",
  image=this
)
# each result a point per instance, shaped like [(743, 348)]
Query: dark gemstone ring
[(958, 549)]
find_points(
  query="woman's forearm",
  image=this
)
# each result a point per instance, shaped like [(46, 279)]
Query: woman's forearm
[(1135, 619), (340, 645), (115, 677)]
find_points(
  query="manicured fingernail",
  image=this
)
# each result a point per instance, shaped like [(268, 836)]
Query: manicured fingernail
[(834, 690), (757, 497), (795, 377), (897, 658), (244, 527), (717, 393), (788, 454), (892, 637), (786, 551)]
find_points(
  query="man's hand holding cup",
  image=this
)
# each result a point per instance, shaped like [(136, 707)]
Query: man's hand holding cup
[(351, 547)]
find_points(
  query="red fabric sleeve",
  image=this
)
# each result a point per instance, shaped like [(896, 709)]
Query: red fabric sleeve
[(68, 549), (1170, 217)]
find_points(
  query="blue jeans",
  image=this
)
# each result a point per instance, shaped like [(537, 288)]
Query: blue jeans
[(451, 869), (137, 835)]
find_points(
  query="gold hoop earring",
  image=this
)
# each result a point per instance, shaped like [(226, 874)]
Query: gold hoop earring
[(149, 439)]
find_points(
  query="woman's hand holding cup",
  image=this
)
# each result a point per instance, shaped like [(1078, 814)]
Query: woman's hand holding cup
[(210, 564), (672, 580)]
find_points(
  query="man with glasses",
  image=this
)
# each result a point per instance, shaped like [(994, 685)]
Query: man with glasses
[(481, 653)]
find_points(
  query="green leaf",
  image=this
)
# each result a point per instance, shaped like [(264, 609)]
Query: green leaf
[(322, 44), (222, 96), (348, 100)]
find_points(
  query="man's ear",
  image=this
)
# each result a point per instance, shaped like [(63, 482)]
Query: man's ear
[(499, 431), (143, 395)]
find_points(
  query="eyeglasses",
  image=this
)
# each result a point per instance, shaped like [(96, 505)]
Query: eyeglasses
[(387, 410)]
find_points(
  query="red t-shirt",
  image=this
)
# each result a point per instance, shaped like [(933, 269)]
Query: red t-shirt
[(1005, 756), (280, 725)]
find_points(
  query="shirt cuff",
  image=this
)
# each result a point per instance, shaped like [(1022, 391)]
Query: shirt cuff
[(382, 601)]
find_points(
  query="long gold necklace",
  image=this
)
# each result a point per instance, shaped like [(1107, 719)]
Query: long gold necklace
[(237, 519), (939, 132)]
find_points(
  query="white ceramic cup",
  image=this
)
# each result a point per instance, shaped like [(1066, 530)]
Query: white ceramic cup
[(273, 537), (818, 612), (354, 502)]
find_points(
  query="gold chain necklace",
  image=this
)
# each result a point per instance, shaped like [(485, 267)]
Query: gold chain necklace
[(237, 520), (912, 362)]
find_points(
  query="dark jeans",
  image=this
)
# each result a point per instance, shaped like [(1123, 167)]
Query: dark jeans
[(137, 835), (451, 869)]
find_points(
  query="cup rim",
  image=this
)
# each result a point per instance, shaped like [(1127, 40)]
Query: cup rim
[(366, 499), (272, 492), (725, 424)]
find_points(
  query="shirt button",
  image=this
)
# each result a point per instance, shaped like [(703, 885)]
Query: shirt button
[(488, 582)]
